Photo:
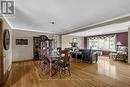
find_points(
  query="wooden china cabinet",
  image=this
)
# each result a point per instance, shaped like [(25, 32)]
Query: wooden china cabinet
[(42, 42)]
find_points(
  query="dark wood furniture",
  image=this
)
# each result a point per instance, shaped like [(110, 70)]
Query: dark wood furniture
[(36, 45), (43, 48), (123, 57), (64, 63), (119, 56)]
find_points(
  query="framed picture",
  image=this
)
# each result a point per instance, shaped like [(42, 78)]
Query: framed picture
[(21, 41)]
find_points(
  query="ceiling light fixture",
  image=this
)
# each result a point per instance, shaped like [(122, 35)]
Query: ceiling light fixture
[(52, 22)]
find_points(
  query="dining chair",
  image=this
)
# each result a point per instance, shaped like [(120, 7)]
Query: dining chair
[(44, 63), (64, 63)]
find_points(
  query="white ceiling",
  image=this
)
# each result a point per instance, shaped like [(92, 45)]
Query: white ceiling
[(114, 28), (68, 15)]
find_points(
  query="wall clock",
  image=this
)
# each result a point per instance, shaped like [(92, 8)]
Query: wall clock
[(6, 39)]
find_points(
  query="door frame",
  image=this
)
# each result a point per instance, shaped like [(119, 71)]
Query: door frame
[(1, 52)]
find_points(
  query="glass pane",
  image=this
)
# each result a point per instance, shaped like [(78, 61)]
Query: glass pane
[(103, 43)]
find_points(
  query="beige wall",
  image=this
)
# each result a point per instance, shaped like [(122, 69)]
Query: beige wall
[(25, 52), (129, 45), (22, 52), (7, 53), (66, 39)]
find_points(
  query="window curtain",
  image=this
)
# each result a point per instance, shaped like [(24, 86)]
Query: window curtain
[(106, 42)]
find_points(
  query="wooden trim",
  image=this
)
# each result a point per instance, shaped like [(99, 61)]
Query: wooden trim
[(3, 77), (23, 61), (1, 52)]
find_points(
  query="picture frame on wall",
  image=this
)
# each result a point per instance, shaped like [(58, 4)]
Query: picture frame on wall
[(21, 41)]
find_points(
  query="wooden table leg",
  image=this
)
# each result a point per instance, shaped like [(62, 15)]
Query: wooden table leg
[(50, 68), (76, 57)]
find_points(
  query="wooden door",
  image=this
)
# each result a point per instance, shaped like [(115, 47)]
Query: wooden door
[(1, 54)]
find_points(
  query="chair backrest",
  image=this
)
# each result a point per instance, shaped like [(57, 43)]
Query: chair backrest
[(41, 53), (66, 57)]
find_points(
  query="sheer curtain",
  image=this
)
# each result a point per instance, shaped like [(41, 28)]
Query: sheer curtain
[(107, 43)]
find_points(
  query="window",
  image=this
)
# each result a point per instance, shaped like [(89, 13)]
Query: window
[(107, 43)]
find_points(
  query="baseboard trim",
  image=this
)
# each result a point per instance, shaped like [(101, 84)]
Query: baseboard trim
[(23, 61)]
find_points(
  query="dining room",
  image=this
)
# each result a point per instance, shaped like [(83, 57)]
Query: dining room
[(64, 43)]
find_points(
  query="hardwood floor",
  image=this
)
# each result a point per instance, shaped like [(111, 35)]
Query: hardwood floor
[(105, 73)]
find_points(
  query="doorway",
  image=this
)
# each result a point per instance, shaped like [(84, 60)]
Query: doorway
[(1, 54)]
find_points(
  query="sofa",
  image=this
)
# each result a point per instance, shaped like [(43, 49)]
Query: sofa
[(86, 55)]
